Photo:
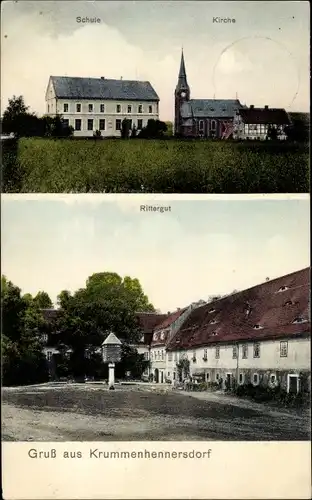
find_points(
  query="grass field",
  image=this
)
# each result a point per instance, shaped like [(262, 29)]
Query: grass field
[(156, 166), (92, 413)]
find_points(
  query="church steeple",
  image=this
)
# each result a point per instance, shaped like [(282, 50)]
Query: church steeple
[(182, 84), (181, 95)]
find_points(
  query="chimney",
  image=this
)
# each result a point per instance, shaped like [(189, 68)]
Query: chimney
[(121, 78), (102, 77), (251, 106), (266, 107)]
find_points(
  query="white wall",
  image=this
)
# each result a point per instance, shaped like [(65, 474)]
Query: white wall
[(110, 114), (298, 357)]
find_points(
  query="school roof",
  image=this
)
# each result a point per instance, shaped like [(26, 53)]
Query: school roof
[(278, 308), (67, 87), (276, 116)]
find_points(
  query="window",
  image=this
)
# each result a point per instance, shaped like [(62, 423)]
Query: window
[(241, 378), (283, 349), (65, 108), (150, 109), (245, 351), (283, 288), (207, 377), (213, 124), (151, 356), (78, 124), (44, 337), (217, 352), (205, 355), (130, 124), (118, 108), (102, 108), (78, 108), (140, 108), (213, 322), (146, 356), (168, 374), (258, 327), (201, 125), (162, 355), (140, 124), (48, 108), (102, 124), (272, 378), (90, 124), (255, 379), (49, 355), (212, 311), (169, 356), (174, 375), (194, 357), (234, 352), (256, 353), (118, 127), (300, 320), (129, 109), (90, 108), (65, 122), (217, 376)]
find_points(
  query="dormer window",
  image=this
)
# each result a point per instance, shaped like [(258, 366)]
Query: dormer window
[(214, 334), (258, 327), (283, 289), (213, 322), (212, 311), (288, 303), (162, 335), (300, 319), (177, 341)]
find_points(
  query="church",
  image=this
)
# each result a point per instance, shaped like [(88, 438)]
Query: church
[(202, 117)]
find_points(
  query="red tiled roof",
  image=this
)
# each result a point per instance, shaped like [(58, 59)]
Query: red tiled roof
[(162, 330), (147, 323), (225, 320), (169, 319), (274, 116)]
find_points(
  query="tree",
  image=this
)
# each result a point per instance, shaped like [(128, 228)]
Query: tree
[(272, 133), (153, 130), (125, 128), (43, 301), (23, 324), (107, 303)]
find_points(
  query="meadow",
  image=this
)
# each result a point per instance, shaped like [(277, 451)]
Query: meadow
[(155, 166)]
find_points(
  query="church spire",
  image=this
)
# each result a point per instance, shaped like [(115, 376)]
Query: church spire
[(182, 80)]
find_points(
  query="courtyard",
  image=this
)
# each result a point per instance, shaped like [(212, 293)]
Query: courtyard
[(142, 412)]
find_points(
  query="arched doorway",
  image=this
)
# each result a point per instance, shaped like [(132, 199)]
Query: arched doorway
[(156, 375)]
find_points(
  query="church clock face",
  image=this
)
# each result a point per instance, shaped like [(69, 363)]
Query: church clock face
[(183, 94)]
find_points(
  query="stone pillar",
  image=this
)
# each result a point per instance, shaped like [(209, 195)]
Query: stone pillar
[(111, 376)]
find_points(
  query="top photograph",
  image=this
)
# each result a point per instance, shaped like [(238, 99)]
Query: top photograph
[(155, 97)]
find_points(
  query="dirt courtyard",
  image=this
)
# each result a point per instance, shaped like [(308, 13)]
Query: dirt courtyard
[(89, 412)]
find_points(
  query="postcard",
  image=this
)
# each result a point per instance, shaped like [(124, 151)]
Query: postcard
[(155, 96), (153, 346)]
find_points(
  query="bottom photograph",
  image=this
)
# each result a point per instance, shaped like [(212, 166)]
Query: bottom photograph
[(138, 319)]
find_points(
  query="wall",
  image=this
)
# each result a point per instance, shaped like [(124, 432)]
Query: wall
[(110, 114)]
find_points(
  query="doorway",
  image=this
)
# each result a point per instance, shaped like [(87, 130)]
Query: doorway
[(156, 375), (292, 383)]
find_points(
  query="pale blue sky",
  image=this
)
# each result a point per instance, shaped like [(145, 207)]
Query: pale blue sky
[(143, 39), (200, 248)]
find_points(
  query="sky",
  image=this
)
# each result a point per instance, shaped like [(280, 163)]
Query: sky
[(198, 249), (263, 57)]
